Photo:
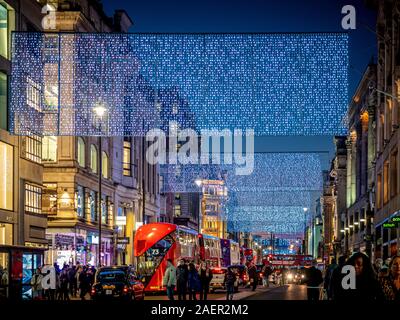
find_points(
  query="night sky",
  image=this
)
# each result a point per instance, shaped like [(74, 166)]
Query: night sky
[(261, 16)]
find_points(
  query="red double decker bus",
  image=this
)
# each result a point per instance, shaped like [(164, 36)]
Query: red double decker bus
[(156, 242)]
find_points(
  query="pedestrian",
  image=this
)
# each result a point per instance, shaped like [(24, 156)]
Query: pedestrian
[(266, 271), (367, 286), (205, 279), (314, 279), (229, 281), (83, 283), (77, 274), (72, 281), (194, 284), (182, 273), (335, 288), (327, 279), (253, 276), (169, 279), (36, 283), (64, 285), (391, 283)]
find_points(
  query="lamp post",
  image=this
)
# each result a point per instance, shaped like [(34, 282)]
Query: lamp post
[(199, 183), (305, 229), (99, 110)]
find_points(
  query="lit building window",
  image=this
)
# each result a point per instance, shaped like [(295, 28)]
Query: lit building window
[(104, 209), (93, 205), (33, 95), (6, 178), (385, 182), (104, 165), (49, 149), (80, 201), (81, 152), (49, 198), (33, 198), (7, 24), (3, 101), (32, 148), (127, 157), (93, 158), (177, 210)]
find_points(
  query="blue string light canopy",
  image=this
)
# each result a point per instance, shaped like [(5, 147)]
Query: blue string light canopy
[(276, 84)]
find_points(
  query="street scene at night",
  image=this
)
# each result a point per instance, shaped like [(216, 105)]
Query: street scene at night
[(193, 158)]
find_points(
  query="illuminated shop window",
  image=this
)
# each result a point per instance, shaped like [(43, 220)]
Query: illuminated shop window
[(93, 158), (49, 198), (49, 149), (81, 152), (7, 176)]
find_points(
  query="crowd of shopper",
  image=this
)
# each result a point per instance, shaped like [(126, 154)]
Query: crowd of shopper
[(188, 279), (70, 282)]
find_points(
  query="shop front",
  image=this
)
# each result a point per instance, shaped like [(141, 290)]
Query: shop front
[(79, 247), (18, 264)]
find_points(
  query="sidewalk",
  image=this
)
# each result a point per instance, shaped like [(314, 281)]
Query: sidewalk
[(245, 293)]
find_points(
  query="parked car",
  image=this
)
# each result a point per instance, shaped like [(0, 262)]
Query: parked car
[(242, 276), (117, 282), (217, 281)]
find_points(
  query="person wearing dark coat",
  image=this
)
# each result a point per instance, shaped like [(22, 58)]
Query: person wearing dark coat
[(205, 279), (367, 287), (229, 281), (335, 289), (314, 279), (182, 275), (253, 276), (72, 281), (194, 285), (84, 283)]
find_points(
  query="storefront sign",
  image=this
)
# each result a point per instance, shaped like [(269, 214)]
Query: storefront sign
[(123, 240), (63, 240), (120, 221), (389, 225), (37, 245)]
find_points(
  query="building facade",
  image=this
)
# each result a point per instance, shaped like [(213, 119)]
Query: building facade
[(387, 94), (360, 144), (129, 184), (22, 220)]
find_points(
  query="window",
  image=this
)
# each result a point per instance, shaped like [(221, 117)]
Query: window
[(393, 174), (385, 182), (126, 162), (104, 165), (31, 148), (3, 101), (7, 24), (49, 198), (177, 210), (379, 190), (7, 176), (81, 152), (49, 149), (93, 158), (104, 209), (33, 95), (33, 198), (80, 201), (93, 205)]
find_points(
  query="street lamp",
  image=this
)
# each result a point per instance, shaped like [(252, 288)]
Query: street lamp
[(99, 111), (198, 183)]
